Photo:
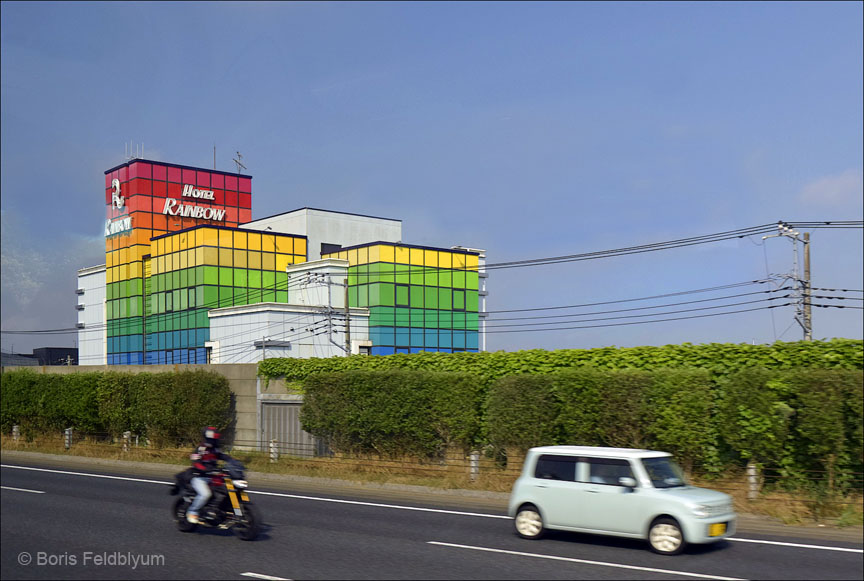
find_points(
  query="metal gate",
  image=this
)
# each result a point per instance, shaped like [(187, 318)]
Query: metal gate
[(280, 421)]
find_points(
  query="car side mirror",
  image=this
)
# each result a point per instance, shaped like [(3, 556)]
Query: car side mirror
[(627, 482)]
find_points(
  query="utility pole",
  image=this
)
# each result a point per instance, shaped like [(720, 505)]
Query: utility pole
[(808, 321), (347, 322), (802, 286)]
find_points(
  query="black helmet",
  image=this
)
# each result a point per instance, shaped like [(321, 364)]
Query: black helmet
[(211, 436)]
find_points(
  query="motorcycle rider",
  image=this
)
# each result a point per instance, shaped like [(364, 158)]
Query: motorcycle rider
[(204, 463)]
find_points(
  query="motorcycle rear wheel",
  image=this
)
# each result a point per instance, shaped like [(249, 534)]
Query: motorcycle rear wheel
[(180, 507), (248, 528)]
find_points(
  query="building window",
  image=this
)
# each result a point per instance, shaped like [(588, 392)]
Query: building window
[(402, 295)]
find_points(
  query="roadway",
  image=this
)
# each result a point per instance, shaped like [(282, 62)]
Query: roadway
[(111, 520)]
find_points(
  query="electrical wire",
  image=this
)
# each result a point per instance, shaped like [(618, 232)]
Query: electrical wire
[(642, 322), (731, 234)]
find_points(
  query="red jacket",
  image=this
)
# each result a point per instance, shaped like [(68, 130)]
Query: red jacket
[(205, 460)]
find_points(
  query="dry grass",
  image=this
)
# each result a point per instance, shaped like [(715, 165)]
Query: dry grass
[(788, 507)]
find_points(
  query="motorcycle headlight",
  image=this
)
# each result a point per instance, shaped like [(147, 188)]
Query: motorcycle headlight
[(240, 484)]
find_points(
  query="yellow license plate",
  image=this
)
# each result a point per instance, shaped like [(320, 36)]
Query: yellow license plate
[(716, 529)]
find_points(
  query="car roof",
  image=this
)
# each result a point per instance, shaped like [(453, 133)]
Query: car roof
[(599, 451)]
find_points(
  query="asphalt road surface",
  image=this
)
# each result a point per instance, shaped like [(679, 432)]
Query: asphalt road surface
[(98, 522)]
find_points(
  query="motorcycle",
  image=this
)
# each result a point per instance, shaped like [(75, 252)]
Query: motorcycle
[(229, 506)]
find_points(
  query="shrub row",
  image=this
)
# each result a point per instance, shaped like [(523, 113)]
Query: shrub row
[(392, 412), (719, 359), (167, 408), (798, 419)]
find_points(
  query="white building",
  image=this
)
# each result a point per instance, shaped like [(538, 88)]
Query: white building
[(329, 230), (312, 324), (92, 332)]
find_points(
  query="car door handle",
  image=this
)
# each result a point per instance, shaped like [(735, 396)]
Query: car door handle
[(541, 486)]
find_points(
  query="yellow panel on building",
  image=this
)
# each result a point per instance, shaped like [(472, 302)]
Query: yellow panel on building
[(268, 243), (445, 259), (282, 262), (300, 248), (254, 241), (284, 245), (211, 237), (240, 258), (255, 260), (226, 240), (241, 240)]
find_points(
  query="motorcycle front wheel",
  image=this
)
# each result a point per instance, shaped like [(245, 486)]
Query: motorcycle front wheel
[(248, 527), (179, 511)]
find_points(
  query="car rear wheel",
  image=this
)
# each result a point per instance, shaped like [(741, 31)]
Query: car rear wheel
[(529, 523), (666, 537)]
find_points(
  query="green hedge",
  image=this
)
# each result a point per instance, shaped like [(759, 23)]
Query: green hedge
[(669, 409), (167, 408), (718, 359), (394, 412), (794, 420)]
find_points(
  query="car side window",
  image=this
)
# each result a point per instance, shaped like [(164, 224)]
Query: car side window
[(608, 470), (556, 468)]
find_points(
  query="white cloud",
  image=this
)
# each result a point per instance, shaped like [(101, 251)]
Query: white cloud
[(836, 191)]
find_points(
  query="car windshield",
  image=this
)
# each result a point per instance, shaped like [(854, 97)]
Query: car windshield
[(664, 472)]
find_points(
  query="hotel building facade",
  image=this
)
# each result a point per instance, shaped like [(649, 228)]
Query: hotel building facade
[(190, 277)]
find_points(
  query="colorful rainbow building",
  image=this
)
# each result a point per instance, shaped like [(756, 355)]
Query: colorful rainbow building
[(189, 277)]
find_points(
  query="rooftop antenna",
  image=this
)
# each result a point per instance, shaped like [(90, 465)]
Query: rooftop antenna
[(239, 163), (133, 150)]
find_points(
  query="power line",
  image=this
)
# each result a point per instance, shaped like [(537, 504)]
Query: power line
[(642, 308), (786, 296), (643, 322), (731, 234), (680, 293)]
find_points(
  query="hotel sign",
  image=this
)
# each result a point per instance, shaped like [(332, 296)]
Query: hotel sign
[(116, 197), (175, 208), (118, 226), (190, 192), (123, 224)]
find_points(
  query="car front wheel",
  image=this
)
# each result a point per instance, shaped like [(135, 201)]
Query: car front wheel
[(528, 522), (666, 537)]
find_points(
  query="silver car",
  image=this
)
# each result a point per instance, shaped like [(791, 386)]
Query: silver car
[(623, 492)]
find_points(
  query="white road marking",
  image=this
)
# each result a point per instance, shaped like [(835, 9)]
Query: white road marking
[(381, 505), (23, 489), (598, 563), (268, 577), (84, 474), (798, 545)]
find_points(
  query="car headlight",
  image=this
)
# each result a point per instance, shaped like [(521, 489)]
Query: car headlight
[(701, 511), (240, 484)]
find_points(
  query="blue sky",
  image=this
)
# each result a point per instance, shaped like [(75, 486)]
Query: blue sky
[(527, 129)]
